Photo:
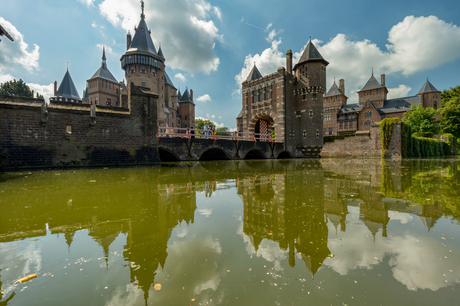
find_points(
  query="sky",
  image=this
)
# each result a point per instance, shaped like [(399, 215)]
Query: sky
[(211, 46)]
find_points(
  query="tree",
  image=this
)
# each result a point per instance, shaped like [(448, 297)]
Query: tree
[(16, 88), (200, 123), (224, 131), (450, 116), (448, 94), (422, 121)]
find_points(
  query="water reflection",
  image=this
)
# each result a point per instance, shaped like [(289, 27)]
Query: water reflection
[(175, 226)]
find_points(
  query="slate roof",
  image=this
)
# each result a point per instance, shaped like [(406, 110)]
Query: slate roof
[(142, 40), (399, 104), (185, 97), (371, 84), (85, 93), (311, 54), (104, 72), (168, 80), (351, 108), (67, 88), (179, 95), (160, 53), (240, 115), (427, 87), (334, 91), (254, 74), (4, 32)]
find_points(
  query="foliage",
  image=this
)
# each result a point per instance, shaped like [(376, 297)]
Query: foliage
[(386, 128), (449, 94), (16, 88), (223, 131), (422, 120), (450, 116), (200, 123), (332, 138)]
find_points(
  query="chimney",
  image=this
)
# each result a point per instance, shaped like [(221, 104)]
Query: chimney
[(191, 95), (289, 61), (342, 85), (128, 40), (382, 79), (55, 88)]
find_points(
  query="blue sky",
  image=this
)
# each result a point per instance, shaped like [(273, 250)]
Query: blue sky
[(210, 46)]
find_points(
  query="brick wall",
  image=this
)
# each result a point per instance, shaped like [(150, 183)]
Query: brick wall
[(66, 134), (364, 144)]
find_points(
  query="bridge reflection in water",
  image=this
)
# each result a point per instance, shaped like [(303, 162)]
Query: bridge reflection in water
[(292, 204)]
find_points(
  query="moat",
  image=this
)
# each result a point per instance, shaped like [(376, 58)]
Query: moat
[(272, 232)]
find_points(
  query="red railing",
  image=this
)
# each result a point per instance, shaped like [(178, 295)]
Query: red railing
[(175, 132)]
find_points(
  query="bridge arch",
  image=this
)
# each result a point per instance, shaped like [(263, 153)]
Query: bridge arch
[(167, 155), (255, 154), (214, 154), (284, 155)]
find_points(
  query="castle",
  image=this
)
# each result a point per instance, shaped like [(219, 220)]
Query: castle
[(288, 102), (144, 66), (373, 106)]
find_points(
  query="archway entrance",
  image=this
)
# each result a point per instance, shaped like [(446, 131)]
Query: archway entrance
[(263, 128)]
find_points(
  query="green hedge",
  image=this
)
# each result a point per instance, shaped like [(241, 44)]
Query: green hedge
[(415, 144), (334, 137)]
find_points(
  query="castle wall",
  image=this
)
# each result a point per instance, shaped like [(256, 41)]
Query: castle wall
[(66, 134)]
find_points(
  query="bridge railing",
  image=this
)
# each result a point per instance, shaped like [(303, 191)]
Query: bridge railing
[(175, 132)]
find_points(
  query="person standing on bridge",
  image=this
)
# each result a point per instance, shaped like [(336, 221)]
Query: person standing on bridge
[(206, 129)]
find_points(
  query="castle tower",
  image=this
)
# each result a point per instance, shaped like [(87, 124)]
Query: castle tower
[(187, 109), (102, 87), (430, 96), (143, 66), (373, 91), (304, 104)]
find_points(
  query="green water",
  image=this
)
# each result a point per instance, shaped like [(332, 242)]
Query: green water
[(298, 232)]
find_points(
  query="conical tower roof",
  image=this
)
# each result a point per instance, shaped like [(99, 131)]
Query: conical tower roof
[(334, 91), (311, 54), (160, 53), (254, 74), (86, 94), (185, 97), (168, 80), (426, 88), (372, 83), (142, 40), (104, 72), (179, 95), (67, 88)]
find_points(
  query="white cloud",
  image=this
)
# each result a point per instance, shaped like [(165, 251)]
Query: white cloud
[(17, 52), (400, 91), (87, 2), (205, 212), (180, 77), (47, 91), (185, 26), (415, 44), (204, 98)]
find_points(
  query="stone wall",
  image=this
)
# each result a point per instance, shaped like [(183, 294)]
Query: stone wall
[(60, 134), (365, 144)]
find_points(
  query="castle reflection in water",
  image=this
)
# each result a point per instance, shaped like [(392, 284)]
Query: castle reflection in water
[(276, 205)]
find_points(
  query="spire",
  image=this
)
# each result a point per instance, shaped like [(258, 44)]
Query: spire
[(372, 71), (67, 88), (254, 74), (104, 62), (142, 6), (311, 54)]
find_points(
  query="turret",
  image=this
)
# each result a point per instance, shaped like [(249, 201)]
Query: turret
[(128, 40)]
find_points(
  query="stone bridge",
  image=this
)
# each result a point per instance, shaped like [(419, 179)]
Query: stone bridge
[(182, 149)]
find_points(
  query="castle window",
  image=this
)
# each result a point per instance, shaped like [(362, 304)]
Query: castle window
[(143, 71), (330, 131), (304, 134), (143, 84), (351, 124), (304, 94), (435, 104), (68, 129), (133, 69), (341, 125), (261, 94), (267, 93), (311, 114), (314, 96), (109, 102), (314, 89), (317, 133), (346, 125), (185, 117), (324, 131)]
